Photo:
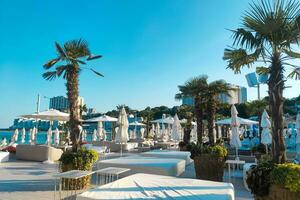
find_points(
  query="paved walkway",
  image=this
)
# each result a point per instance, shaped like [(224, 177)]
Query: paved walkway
[(20, 180)]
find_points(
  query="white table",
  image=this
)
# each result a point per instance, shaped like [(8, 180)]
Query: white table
[(109, 174), (73, 174), (233, 163)]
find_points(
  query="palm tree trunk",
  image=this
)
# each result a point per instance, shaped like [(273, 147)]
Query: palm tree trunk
[(211, 112), (276, 86), (72, 93), (199, 117)]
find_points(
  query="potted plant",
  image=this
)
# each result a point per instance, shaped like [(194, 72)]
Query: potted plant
[(208, 160), (82, 159), (182, 146), (259, 178)]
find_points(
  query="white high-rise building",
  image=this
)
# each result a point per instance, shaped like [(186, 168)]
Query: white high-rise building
[(61, 103)]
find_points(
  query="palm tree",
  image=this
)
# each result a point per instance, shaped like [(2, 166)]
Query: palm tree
[(213, 90), (195, 88), (67, 64), (269, 30)]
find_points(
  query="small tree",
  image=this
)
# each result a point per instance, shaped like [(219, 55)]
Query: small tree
[(70, 58)]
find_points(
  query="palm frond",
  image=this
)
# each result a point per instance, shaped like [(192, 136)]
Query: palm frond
[(77, 48), (295, 74), (60, 50), (93, 57), (292, 53), (262, 70), (97, 73), (49, 76), (50, 63)]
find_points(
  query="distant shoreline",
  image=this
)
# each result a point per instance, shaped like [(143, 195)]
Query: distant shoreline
[(5, 129)]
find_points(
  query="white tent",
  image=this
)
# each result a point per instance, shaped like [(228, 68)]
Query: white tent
[(49, 137), (50, 115), (240, 120), (176, 133), (266, 137), (235, 123), (122, 134), (23, 136), (56, 137)]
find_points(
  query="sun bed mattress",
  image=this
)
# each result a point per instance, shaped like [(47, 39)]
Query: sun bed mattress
[(184, 155), (148, 186), (151, 165)]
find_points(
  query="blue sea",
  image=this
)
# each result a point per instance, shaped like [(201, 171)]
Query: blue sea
[(41, 137)]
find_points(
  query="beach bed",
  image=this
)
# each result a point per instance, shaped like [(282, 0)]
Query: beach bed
[(184, 155), (140, 164), (149, 186)]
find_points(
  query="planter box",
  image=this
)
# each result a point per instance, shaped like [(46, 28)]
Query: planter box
[(209, 167), (278, 193)]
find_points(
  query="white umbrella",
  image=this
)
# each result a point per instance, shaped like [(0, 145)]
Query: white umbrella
[(298, 134), (151, 133), (122, 134), (131, 134), (157, 131), (84, 134), (103, 118), (33, 135), (104, 135), (235, 137), (142, 130), (136, 124), (266, 137), (56, 137), (193, 133), (30, 136), (23, 135), (241, 121), (49, 137), (100, 130), (164, 120), (95, 133), (50, 115), (15, 136), (176, 129)]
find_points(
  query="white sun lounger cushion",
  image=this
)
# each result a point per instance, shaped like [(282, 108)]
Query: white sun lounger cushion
[(184, 155), (151, 165), (148, 186)]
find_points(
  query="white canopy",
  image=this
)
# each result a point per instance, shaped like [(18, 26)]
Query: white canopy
[(167, 120), (50, 115), (103, 118), (240, 120), (135, 123)]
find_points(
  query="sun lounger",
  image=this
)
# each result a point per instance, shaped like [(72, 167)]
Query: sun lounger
[(4, 156), (184, 155), (140, 164), (149, 186)]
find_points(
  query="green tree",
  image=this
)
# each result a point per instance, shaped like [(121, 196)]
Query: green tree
[(195, 87), (269, 29), (68, 64), (213, 90)]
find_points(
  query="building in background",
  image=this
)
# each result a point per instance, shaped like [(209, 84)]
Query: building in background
[(61, 103), (238, 94)]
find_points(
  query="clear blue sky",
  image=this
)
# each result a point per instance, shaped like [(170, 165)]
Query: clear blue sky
[(148, 46)]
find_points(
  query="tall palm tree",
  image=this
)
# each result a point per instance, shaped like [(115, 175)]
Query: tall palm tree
[(68, 64), (213, 90), (269, 30), (195, 88)]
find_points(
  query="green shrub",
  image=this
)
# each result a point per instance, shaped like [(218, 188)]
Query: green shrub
[(83, 159), (261, 148), (259, 177), (287, 176), (197, 149)]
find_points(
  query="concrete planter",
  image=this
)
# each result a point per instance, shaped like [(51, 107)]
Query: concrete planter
[(277, 192), (209, 167)]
